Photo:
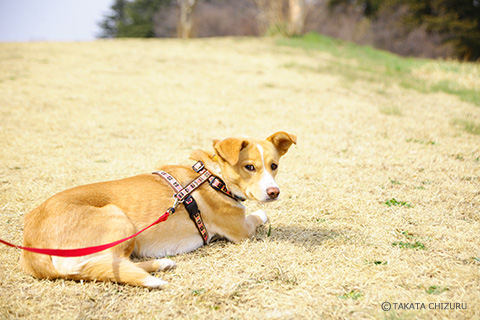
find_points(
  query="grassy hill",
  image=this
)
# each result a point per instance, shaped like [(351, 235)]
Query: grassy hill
[(380, 198)]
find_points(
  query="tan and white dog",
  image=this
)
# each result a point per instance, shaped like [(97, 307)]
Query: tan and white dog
[(103, 212)]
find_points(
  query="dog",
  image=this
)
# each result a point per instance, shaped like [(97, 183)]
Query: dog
[(104, 212)]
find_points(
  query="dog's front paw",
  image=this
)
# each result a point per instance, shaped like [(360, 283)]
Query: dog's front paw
[(262, 215)]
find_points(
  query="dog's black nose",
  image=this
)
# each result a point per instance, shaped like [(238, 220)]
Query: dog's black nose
[(273, 192)]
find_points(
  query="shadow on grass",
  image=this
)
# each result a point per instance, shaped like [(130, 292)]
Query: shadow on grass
[(306, 237), (298, 235)]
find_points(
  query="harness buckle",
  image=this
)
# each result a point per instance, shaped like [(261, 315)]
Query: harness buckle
[(198, 166), (217, 183)]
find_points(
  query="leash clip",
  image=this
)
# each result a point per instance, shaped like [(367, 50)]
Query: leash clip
[(173, 208), (177, 202)]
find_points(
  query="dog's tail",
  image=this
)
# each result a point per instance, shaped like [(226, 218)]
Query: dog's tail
[(104, 267)]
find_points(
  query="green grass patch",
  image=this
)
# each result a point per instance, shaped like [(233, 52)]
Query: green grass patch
[(436, 290), (390, 110), (395, 203), (343, 49), (419, 141), (451, 87), (469, 126), (392, 181), (376, 262), (355, 62), (409, 245), (198, 292), (407, 234), (353, 294)]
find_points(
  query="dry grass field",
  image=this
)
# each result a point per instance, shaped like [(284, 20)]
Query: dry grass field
[(380, 198)]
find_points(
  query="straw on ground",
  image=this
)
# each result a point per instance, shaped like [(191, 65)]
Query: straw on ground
[(380, 199)]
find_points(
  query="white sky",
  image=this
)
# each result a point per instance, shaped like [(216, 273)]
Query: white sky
[(51, 20)]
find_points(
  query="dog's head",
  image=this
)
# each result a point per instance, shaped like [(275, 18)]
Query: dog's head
[(249, 166)]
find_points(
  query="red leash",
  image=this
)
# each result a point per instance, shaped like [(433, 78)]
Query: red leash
[(89, 250), (180, 196)]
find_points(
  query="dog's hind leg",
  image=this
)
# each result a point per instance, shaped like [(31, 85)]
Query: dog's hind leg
[(118, 269), (114, 264), (157, 265)]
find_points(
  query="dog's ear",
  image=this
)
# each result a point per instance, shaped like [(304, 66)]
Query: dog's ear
[(229, 149), (282, 141)]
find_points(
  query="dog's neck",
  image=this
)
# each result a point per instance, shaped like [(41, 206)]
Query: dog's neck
[(211, 164), (208, 161)]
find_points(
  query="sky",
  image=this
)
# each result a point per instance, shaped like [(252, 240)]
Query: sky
[(51, 20)]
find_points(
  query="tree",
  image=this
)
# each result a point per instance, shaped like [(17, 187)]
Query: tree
[(297, 13), (457, 22), (370, 7), (286, 18), (185, 23), (131, 18), (111, 21)]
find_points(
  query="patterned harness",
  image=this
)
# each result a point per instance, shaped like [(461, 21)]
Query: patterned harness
[(183, 195)]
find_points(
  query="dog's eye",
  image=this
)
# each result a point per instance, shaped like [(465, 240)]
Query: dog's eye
[(250, 167), (274, 166)]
